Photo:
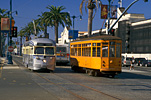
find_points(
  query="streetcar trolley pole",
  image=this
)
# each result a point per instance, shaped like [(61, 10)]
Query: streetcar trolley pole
[(109, 29)]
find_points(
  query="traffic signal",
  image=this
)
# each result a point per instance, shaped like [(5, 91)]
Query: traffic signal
[(14, 32), (112, 32)]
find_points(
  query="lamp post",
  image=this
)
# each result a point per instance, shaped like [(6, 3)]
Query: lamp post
[(9, 35), (73, 17)]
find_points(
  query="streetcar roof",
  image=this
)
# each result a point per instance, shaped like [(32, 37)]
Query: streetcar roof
[(40, 41), (101, 37)]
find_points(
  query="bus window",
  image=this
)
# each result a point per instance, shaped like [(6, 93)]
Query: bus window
[(61, 49), (104, 51), (112, 51), (49, 50), (118, 50), (39, 50)]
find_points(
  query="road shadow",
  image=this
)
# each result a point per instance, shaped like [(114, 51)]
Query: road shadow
[(127, 75)]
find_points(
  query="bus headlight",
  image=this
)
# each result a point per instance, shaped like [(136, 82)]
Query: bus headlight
[(44, 61)]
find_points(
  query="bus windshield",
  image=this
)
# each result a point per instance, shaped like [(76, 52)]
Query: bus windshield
[(61, 49), (39, 50), (49, 50)]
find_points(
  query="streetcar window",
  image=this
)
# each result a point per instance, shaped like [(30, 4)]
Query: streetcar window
[(104, 51), (72, 51), (61, 49), (94, 52), (112, 51), (31, 51), (98, 44), (105, 43), (49, 50), (94, 44), (79, 45), (112, 43), (118, 51), (44, 44), (98, 52), (39, 50), (79, 51)]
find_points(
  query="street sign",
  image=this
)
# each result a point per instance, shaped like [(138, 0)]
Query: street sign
[(10, 49)]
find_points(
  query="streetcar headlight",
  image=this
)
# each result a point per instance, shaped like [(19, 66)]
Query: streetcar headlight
[(111, 61), (37, 58), (44, 61)]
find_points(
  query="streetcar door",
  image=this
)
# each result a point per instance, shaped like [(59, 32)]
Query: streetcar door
[(105, 56)]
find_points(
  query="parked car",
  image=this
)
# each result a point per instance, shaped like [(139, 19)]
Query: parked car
[(146, 63), (126, 61), (139, 61)]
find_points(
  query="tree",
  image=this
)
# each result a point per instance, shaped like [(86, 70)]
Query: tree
[(21, 34), (91, 5), (43, 23), (55, 17)]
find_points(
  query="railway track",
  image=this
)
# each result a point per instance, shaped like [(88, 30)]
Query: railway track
[(72, 89), (78, 95)]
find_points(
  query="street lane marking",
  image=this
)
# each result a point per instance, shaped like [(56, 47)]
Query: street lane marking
[(11, 67), (126, 70)]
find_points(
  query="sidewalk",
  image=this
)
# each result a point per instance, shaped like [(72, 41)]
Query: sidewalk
[(4, 62), (17, 84)]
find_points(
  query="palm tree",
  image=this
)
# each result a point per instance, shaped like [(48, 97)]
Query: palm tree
[(91, 5), (55, 17), (43, 23), (3, 13), (21, 34)]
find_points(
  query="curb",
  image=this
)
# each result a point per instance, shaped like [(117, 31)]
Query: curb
[(4, 62)]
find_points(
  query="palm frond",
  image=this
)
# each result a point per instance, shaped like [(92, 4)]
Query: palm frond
[(81, 6)]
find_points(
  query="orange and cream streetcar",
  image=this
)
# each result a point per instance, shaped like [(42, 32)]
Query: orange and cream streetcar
[(97, 55)]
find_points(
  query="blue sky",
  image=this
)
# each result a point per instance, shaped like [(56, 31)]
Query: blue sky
[(30, 9)]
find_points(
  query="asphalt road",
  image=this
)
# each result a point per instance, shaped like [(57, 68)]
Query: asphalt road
[(64, 84)]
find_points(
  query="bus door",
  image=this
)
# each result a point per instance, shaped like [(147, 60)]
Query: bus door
[(105, 56)]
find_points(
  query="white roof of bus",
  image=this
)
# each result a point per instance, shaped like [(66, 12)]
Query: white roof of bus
[(40, 40)]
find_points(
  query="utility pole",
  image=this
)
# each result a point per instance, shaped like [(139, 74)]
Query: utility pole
[(109, 29), (9, 35), (109, 16)]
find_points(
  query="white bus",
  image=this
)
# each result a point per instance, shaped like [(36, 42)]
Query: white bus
[(39, 54), (62, 53)]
